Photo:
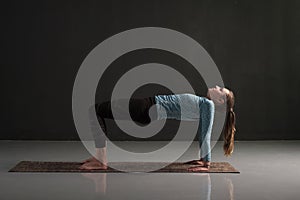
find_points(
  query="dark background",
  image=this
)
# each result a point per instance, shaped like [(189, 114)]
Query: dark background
[(255, 44)]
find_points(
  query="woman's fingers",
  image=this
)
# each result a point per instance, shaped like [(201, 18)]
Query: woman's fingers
[(198, 169), (194, 162)]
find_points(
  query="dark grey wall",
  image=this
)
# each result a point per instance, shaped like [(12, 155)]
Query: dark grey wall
[(254, 43)]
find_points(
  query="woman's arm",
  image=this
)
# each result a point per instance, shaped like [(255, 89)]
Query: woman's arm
[(205, 127)]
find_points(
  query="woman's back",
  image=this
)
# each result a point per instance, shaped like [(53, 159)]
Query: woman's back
[(179, 106)]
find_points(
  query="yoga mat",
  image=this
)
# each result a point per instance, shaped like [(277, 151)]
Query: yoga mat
[(177, 167)]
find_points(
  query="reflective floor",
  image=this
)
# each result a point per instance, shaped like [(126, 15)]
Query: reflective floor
[(269, 170)]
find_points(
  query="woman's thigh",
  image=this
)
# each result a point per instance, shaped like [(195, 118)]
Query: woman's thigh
[(138, 109)]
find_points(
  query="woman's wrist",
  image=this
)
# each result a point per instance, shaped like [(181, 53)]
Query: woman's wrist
[(205, 162)]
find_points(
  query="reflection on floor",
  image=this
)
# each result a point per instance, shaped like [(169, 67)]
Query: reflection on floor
[(269, 170)]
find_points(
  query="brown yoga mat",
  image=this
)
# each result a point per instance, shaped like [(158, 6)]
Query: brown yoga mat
[(177, 167)]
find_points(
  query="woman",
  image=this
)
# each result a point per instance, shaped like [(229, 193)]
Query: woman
[(168, 107)]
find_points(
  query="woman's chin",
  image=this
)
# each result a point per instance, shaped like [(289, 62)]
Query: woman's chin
[(207, 95)]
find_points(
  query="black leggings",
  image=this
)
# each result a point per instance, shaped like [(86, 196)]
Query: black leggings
[(138, 110)]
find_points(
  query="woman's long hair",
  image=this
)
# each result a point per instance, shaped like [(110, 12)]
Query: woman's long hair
[(229, 128)]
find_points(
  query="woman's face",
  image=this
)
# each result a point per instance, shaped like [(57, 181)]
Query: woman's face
[(217, 94)]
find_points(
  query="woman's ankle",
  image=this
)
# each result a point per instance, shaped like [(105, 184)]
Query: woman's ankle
[(101, 155)]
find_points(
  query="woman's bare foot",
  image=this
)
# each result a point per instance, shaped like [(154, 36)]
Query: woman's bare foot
[(98, 161), (203, 167), (93, 165), (195, 162)]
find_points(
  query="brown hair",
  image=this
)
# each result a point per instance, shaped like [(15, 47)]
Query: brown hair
[(229, 128)]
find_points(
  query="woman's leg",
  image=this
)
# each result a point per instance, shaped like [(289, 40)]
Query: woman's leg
[(205, 123), (101, 111), (100, 160), (138, 109)]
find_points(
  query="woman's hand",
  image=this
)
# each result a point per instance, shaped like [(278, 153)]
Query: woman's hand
[(199, 168), (200, 165), (195, 162)]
